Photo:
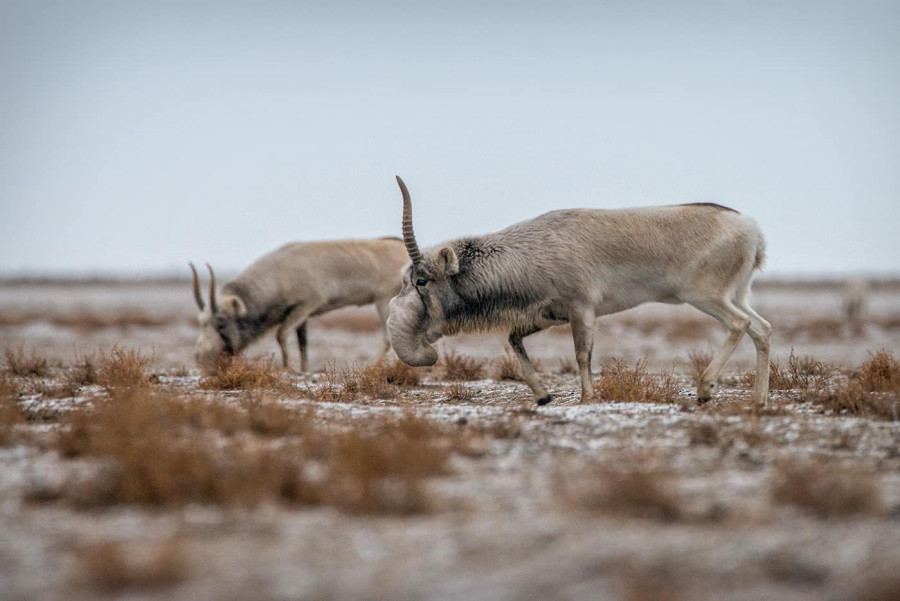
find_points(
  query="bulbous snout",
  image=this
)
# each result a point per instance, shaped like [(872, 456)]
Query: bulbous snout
[(407, 329), (207, 353)]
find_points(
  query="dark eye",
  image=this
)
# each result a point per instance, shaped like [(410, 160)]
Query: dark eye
[(421, 282)]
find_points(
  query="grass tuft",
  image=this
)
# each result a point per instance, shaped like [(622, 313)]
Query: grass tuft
[(881, 373), (618, 382), (237, 373), (507, 367), (457, 392), (462, 367), (20, 363), (384, 472), (637, 494), (10, 412), (123, 371), (825, 491)]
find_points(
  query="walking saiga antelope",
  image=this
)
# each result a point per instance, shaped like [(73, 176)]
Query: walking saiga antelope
[(291, 284), (571, 266)]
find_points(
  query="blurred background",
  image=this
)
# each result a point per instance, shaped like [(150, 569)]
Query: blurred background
[(135, 136)]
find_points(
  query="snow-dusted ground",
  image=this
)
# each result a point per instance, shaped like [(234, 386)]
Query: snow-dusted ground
[(501, 529)]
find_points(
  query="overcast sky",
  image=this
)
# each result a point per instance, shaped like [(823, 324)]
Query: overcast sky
[(135, 136)]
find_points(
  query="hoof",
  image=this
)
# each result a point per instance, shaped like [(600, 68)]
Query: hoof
[(544, 400)]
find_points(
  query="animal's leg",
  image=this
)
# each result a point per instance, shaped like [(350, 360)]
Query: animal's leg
[(383, 308), (302, 342), (583, 335), (294, 320), (760, 332), (737, 323), (541, 396)]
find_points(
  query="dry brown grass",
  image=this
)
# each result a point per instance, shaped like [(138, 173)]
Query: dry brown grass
[(381, 380), (806, 378), (871, 391), (697, 363), (880, 585), (238, 373), (163, 450), (826, 491), (266, 416), (123, 370), (661, 581), (628, 493), (115, 567), (83, 371), (507, 367), (881, 373), (458, 392), (567, 366), (456, 366), (160, 448), (704, 433), (10, 412), (618, 382), (20, 363), (401, 374), (384, 472)]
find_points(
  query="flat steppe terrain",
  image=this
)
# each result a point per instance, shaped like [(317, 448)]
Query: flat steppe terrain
[(125, 473)]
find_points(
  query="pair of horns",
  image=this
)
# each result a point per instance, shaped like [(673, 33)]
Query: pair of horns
[(214, 307), (409, 237)]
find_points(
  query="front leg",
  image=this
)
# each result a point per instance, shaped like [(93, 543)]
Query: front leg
[(583, 335), (295, 320), (541, 396), (301, 342)]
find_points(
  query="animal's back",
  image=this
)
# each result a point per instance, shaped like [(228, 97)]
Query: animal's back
[(346, 272), (656, 252)]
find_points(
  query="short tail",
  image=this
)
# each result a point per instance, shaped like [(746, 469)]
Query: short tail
[(760, 254)]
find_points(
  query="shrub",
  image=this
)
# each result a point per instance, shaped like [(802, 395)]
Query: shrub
[(124, 370), (237, 373), (462, 367), (19, 363), (881, 373), (618, 382)]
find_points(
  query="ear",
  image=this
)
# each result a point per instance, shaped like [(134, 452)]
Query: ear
[(234, 306), (447, 259)]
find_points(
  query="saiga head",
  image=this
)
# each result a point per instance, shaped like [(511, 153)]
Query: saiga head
[(219, 333), (417, 314)]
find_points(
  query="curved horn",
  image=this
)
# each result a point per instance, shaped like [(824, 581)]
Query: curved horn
[(409, 238), (213, 306), (197, 296)]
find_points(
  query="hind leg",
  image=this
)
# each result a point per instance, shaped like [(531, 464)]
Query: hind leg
[(383, 308), (760, 332), (737, 322), (302, 343)]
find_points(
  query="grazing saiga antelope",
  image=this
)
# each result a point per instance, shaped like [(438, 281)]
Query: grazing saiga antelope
[(291, 284), (571, 266)]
